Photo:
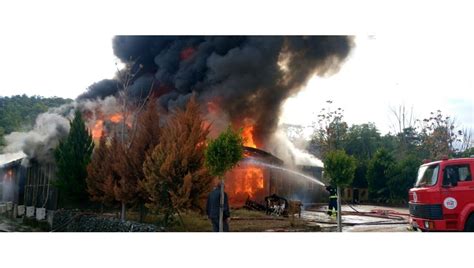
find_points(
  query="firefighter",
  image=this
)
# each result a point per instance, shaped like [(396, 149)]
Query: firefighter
[(332, 206)]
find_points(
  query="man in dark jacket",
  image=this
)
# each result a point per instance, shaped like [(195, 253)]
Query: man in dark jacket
[(213, 204)]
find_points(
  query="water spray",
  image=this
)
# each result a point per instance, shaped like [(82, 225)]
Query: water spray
[(253, 161)]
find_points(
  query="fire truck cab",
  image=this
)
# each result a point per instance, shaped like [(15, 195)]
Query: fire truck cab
[(443, 196)]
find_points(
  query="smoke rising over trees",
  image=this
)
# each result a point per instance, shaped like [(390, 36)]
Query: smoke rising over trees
[(249, 77)]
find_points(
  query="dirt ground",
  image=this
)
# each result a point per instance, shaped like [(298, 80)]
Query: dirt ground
[(243, 220), (313, 219)]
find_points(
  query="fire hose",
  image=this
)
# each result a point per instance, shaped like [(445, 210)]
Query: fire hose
[(385, 214)]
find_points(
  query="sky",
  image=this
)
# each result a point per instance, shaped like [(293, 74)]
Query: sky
[(55, 65), (421, 48), (425, 73)]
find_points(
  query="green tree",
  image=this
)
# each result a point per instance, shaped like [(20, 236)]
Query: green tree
[(340, 168), (18, 113), (330, 131), (390, 143), (469, 152), (222, 154), (360, 175), (2, 140), (72, 157), (378, 174), (402, 177), (362, 141)]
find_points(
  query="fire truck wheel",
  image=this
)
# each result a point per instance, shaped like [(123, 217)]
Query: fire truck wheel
[(469, 227)]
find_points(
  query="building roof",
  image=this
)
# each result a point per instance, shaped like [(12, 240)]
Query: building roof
[(259, 153), (10, 157)]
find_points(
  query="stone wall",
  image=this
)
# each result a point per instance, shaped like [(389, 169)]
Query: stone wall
[(76, 221)]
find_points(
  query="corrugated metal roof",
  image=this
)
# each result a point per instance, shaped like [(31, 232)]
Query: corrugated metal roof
[(10, 157)]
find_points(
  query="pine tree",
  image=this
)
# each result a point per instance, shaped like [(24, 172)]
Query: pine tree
[(129, 159), (72, 157), (123, 186), (99, 174), (175, 176)]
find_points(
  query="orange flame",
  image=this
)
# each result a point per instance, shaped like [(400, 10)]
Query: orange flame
[(97, 129), (116, 118), (245, 182), (247, 134), (8, 176)]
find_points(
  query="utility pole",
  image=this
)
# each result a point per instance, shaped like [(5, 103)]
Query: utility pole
[(221, 208), (339, 210)]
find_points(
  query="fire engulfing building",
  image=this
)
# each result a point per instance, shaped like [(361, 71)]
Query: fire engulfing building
[(11, 183), (27, 183), (261, 174)]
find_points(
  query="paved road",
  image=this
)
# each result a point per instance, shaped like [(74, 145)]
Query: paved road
[(360, 223), (8, 225)]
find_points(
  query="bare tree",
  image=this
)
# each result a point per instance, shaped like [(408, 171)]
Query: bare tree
[(126, 188), (404, 118), (439, 135), (330, 130)]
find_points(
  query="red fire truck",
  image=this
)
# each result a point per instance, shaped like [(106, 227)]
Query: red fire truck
[(443, 196)]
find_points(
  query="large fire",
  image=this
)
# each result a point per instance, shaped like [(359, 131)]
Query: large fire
[(246, 181), (247, 134), (97, 127)]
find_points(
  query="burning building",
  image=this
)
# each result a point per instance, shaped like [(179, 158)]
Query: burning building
[(261, 174), (241, 81), (27, 183), (10, 177)]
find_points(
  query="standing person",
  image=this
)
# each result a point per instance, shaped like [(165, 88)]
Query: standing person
[(212, 208), (332, 206)]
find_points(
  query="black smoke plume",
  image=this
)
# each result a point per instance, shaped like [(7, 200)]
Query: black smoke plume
[(248, 76)]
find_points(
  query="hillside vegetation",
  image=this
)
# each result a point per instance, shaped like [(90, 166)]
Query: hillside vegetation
[(18, 113)]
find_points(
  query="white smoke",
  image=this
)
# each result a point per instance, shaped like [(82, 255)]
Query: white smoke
[(109, 105), (52, 126), (42, 139), (280, 146)]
